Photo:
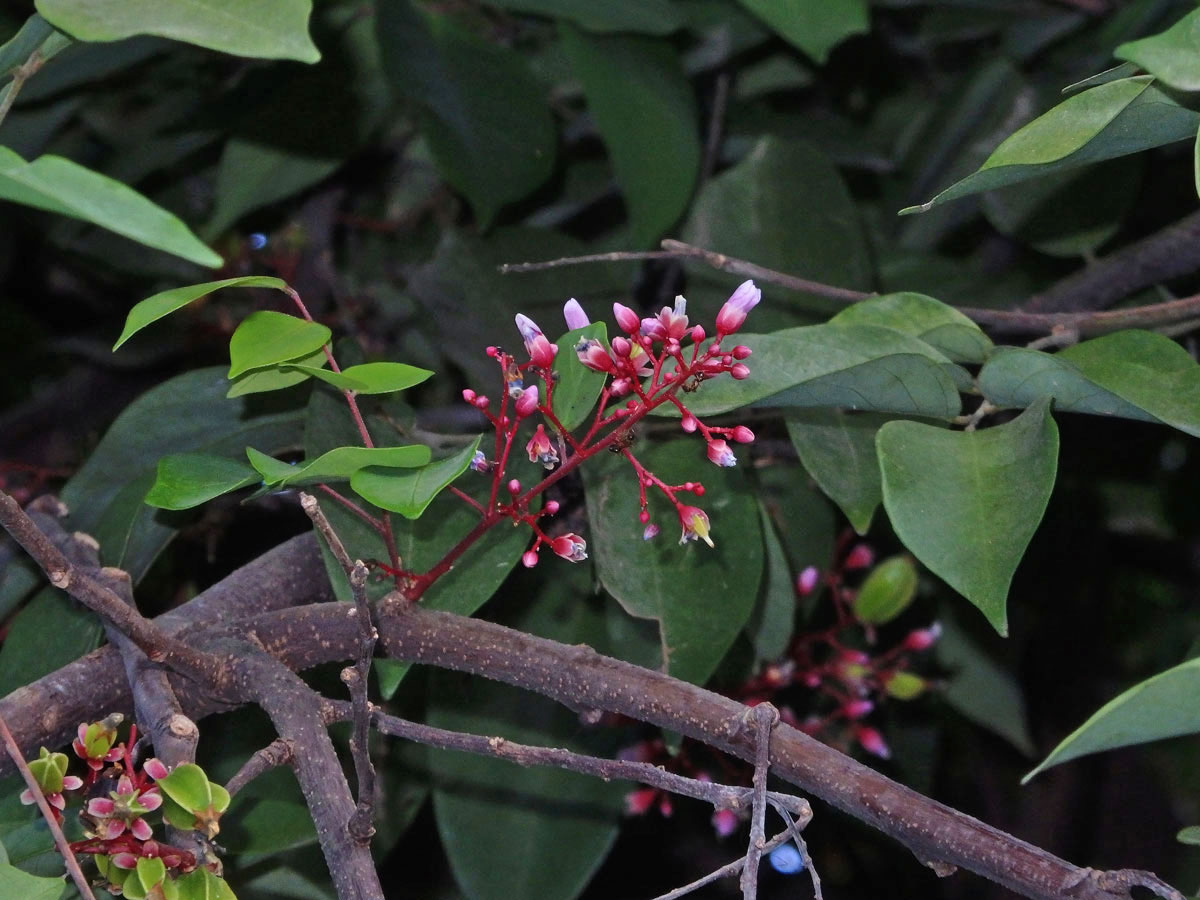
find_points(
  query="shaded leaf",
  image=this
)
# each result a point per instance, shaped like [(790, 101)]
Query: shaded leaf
[(253, 174), (643, 16), (1160, 707), (814, 27), (645, 111), (1189, 835), (32, 34), (265, 338), (67, 188), (578, 387), (1133, 374), (942, 327), (166, 302), (409, 493), (700, 596), (185, 480), (855, 366), (268, 29), (1103, 122), (837, 449), (276, 378), (1172, 56), (774, 618), (970, 517), (15, 883), (487, 119)]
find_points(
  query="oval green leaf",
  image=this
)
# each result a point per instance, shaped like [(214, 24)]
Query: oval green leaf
[(578, 387), (386, 377), (184, 480), (203, 885), (276, 378), (1160, 707), (942, 327), (816, 28), (409, 493), (16, 883), (60, 186), (887, 591), (970, 517), (1171, 56), (339, 380), (266, 338), (645, 111), (337, 465), (163, 304), (1103, 122), (266, 29), (188, 786)]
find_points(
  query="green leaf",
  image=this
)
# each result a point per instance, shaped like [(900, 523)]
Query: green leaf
[(942, 327), (276, 378), (855, 366), (253, 174), (409, 493), (150, 871), (887, 591), (1133, 374), (267, 825), (338, 464), (970, 517), (771, 624), (514, 832), (837, 449), (981, 689), (750, 210), (339, 380), (487, 119), (163, 304), (15, 883), (645, 111), (17, 49), (701, 597), (188, 786), (642, 16), (1160, 707), (203, 885), (386, 377), (578, 387), (1103, 122), (185, 480), (814, 26), (1172, 56), (267, 29), (1189, 835), (67, 188), (265, 338)]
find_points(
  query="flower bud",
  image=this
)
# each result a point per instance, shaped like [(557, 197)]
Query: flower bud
[(741, 351), (629, 321), (856, 709), (650, 532), (468, 395), (923, 638), (806, 581), (697, 333), (514, 487), (551, 507), (570, 547), (527, 402), (872, 741), (688, 423), (529, 559), (739, 304), (860, 557), (574, 315), (719, 454), (740, 371), (621, 346), (742, 434)]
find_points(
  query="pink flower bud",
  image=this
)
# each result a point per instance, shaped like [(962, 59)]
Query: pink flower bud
[(481, 402), (741, 351), (811, 680), (570, 547), (697, 333), (527, 402), (620, 387), (629, 321), (872, 741), (740, 371), (514, 487), (724, 822), (541, 351), (551, 507), (743, 435), (593, 355), (468, 395), (806, 581), (923, 638), (529, 559), (574, 315), (734, 312), (621, 346), (650, 532), (719, 454), (639, 801), (856, 709), (644, 516), (860, 557), (688, 423)]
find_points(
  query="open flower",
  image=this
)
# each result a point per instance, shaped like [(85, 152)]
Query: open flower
[(669, 324), (593, 355), (541, 450), (123, 809), (719, 454), (695, 525), (570, 547)]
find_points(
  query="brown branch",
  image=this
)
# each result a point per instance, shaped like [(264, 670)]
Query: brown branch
[(726, 871), (763, 718), (60, 839), (1169, 253)]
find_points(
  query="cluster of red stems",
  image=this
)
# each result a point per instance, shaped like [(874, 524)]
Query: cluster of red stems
[(649, 366), (826, 670), (118, 793)]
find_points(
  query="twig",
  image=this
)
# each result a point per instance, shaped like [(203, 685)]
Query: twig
[(726, 871), (794, 831), (60, 840), (20, 75), (764, 716), (158, 645), (313, 510), (280, 752)]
